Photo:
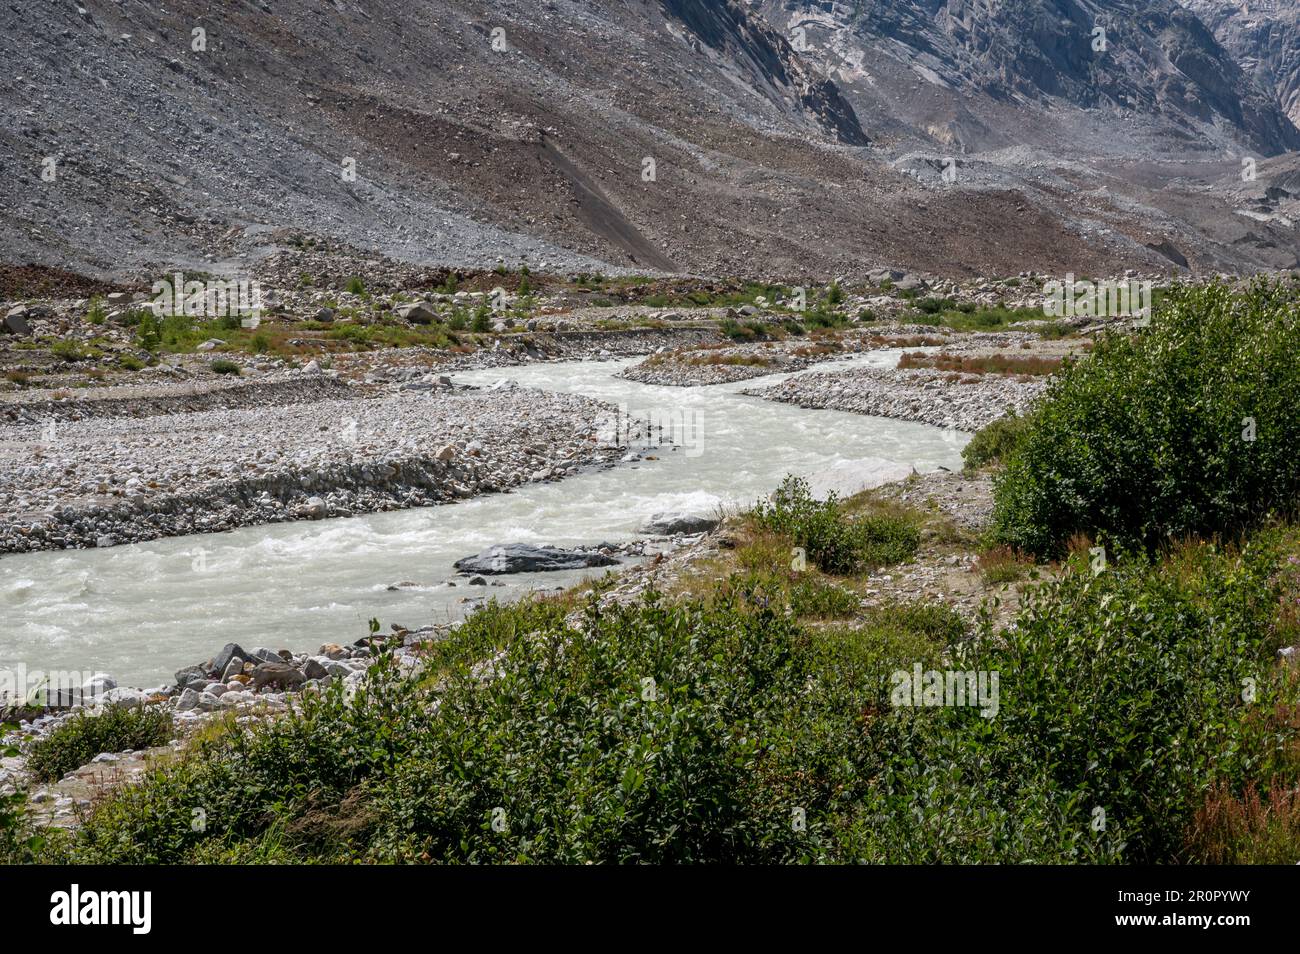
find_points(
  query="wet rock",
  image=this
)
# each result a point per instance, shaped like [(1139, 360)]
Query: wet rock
[(98, 684), (314, 668), (524, 558), (669, 524), (124, 698)]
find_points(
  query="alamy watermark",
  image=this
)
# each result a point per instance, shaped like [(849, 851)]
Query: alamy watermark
[(683, 427), (236, 298), (1109, 298), (949, 687)]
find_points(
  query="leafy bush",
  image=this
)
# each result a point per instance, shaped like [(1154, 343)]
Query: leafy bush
[(832, 541), (224, 366), (993, 443), (642, 734), (68, 350), (1190, 427), (81, 738), (1136, 691), (96, 313)]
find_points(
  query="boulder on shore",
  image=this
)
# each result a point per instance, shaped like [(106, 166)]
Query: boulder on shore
[(668, 524), (524, 558)]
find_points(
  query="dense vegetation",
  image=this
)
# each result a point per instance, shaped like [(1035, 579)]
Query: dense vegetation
[(829, 540), (1188, 427), (81, 738)]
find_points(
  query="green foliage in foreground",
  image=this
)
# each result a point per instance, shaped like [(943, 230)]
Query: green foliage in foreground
[(723, 730), (1189, 427), (81, 738), (833, 541)]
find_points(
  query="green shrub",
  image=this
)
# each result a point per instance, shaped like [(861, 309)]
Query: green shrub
[(356, 286), (1137, 690), (1149, 438), (832, 541), (823, 318), (68, 350), (96, 314), (738, 332), (224, 366), (994, 442), (81, 738), (932, 306)]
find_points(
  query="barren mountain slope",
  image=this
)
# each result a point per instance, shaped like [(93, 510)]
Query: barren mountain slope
[(651, 135)]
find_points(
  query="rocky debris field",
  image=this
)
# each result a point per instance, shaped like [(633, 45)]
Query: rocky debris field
[(720, 364), (42, 407), (120, 480), (941, 399), (250, 684)]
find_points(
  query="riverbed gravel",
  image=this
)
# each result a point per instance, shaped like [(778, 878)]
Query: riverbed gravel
[(108, 481), (964, 402)]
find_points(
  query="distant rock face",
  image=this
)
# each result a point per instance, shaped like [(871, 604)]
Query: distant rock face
[(1264, 38), (729, 28), (1149, 58), (523, 558)]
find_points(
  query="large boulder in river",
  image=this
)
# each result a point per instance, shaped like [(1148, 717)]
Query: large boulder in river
[(523, 558), (668, 524)]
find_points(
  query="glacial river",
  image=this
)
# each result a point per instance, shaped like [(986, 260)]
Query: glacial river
[(142, 611)]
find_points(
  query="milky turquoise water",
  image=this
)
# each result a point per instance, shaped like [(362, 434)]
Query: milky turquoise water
[(142, 611)]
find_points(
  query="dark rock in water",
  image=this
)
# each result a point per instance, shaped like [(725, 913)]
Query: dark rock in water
[(523, 558), (228, 652), (667, 524)]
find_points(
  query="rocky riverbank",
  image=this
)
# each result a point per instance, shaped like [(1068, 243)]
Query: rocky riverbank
[(942, 399), (118, 480), (259, 683), (691, 367), (164, 397)]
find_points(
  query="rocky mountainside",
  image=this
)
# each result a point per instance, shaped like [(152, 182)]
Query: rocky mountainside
[(979, 74), (700, 136), (1264, 37)]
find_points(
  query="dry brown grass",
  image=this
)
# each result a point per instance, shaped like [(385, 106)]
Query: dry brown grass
[(986, 364), (1002, 565), (1250, 829)]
